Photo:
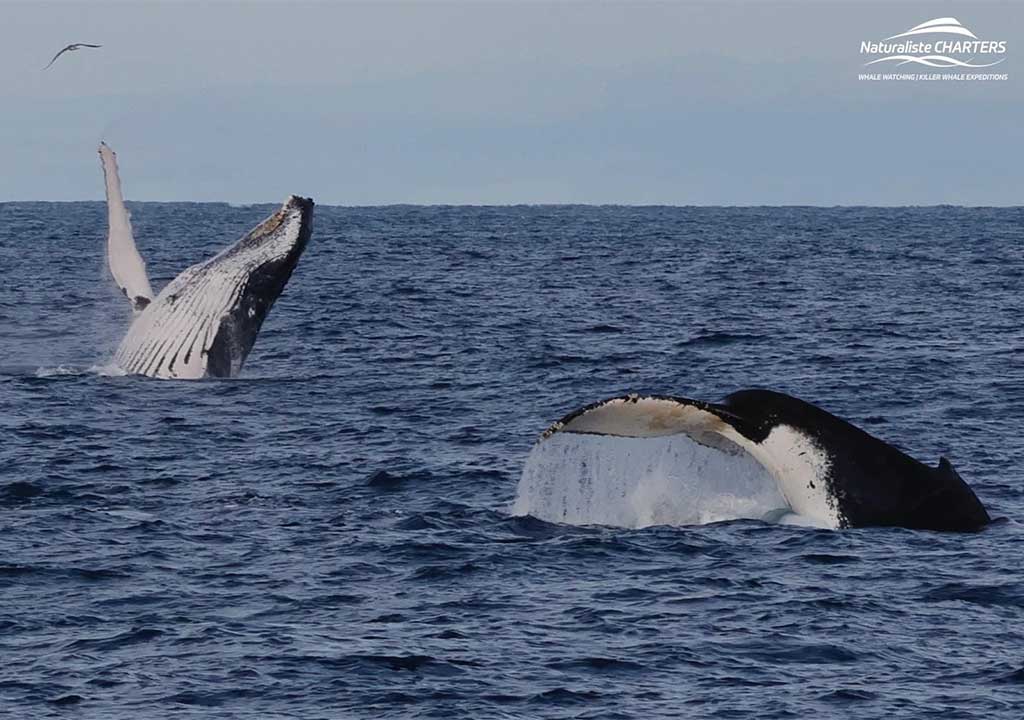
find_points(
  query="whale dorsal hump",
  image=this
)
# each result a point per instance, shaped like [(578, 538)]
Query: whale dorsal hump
[(126, 265), (947, 503)]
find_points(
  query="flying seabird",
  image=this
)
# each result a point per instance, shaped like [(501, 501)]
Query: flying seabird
[(70, 48)]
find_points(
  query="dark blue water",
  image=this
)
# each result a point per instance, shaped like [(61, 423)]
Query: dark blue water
[(328, 536)]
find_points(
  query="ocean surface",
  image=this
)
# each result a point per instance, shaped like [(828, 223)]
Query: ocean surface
[(330, 535)]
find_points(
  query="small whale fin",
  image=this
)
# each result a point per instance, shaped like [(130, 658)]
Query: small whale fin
[(949, 499), (126, 265), (945, 468)]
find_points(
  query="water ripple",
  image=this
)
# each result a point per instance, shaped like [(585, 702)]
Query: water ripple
[(329, 535)]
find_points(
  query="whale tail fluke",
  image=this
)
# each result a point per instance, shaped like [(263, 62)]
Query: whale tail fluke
[(823, 467)]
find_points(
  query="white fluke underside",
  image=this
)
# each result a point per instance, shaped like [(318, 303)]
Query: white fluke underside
[(642, 417)]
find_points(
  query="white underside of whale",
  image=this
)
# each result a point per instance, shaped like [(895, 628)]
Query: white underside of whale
[(799, 466), (172, 339)]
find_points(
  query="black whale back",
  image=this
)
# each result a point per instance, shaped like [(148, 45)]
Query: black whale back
[(872, 482), (239, 328)]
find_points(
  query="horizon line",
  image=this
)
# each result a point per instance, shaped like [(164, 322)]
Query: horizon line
[(525, 204)]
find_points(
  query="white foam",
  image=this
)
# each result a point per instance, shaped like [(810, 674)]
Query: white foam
[(804, 521), (108, 370), (65, 370), (59, 370), (583, 479)]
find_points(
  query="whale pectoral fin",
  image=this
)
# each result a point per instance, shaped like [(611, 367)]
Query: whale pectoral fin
[(126, 265)]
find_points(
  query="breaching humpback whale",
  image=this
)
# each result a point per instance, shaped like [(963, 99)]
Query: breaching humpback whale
[(826, 469), (204, 323)]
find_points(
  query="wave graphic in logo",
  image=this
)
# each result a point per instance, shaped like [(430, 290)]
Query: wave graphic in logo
[(936, 61), (949, 26)]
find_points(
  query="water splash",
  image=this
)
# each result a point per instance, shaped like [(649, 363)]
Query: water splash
[(106, 370), (638, 482), (60, 370)]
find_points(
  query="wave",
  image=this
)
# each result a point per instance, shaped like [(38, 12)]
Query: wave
[(946, 25)]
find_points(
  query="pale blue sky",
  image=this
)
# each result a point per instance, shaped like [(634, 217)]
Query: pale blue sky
[(485, 102)]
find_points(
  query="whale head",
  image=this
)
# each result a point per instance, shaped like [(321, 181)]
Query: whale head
[(258, 267), (205, 322), (272, 249)]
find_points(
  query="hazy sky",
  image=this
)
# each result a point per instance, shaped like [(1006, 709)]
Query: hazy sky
[(485, 102)]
